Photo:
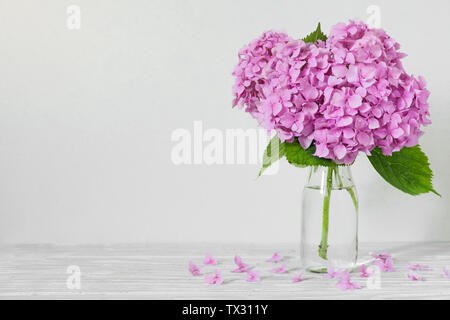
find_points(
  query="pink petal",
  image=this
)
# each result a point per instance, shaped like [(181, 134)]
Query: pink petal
[(350, 58), (338, 99), (382, 256), (446, 272), (321, 150), (276, 108), (241, 269), (352, 74), (305, 142), (368, 72), (281, 269), (333, 81), (253, 276), (344, 121), (355, 101), (237, 260), (339, 71), (383, 261), (310, 107), (363, 138), (344, 282), (340, 151), (397, 133), (413, 277), (298, 278), (361, 91), (194, 269), (331, 273), (275, 258), (310, 92), (214, 278), (418, 267), (209, 260), (347, 285), (364, 272), (348, 133), (373, 123)]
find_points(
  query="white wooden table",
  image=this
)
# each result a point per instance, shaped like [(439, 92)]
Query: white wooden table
[(160, 271)]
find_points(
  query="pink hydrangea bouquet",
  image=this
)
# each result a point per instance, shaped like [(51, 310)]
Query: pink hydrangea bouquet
[(329, 98)]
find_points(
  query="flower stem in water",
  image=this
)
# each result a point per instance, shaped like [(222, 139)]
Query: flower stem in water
[(323, 247)]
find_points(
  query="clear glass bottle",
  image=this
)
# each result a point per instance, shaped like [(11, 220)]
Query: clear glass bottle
[(329, 231)]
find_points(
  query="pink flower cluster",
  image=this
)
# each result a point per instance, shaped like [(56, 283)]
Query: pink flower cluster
[(348, 94)]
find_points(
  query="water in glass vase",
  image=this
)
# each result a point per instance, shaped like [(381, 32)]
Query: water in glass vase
[(329, 232)]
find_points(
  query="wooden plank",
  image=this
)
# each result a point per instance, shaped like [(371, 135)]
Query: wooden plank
[(160, 271)]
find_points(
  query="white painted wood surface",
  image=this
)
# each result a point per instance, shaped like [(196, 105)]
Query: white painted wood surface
[(160, 271)]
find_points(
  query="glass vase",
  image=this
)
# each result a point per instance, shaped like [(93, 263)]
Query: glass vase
[(329, 224)]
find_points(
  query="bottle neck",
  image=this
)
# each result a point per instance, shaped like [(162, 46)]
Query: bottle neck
[(341, 177)]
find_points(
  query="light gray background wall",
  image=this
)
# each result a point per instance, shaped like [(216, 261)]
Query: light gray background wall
[(86, 119)]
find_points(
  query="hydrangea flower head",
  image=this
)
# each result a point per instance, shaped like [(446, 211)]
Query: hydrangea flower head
[(346, 95)]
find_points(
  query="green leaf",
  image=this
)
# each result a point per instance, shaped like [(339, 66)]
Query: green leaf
[(315, 35), (300, 157), (275, 150), (407, 169)]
